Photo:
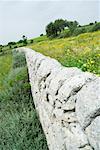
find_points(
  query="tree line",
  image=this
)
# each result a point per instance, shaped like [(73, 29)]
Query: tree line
[(54, 29), (57, 29)]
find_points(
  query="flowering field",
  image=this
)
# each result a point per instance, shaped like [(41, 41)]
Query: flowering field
[(82, 51)]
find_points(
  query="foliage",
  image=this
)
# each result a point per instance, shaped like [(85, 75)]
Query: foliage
[(54, 28), (60, 25), (31, 41), (24, 40), (96, 27), (72, 25), (19, 124), (78, 31), (20, 41), (64, 34), (41, 34), (18, 59), (51, 30), (11, 43)]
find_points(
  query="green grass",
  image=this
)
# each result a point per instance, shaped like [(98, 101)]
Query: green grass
[(40, 39), (5, 66), (82, 51), (20, 128)]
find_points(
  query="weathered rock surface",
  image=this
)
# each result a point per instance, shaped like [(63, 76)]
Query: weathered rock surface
[(67, 101)]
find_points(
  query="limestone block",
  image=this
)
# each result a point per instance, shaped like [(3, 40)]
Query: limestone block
[(93, 133), (88, 103)]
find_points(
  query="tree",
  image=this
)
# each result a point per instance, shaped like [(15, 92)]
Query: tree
[(1, 46), (20, 41), (51, 30), (24, 40), (60, 25), (91, 23), (41, 34), (55, 28), (96, 27), (31, 41), (11, 43), (72, 25)]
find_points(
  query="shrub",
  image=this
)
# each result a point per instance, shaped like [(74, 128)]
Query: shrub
[(20, 41), (96, 27), (41, 34), (78, 31), (15, 46), (31, 41), (18, 59), (91, 23), (65, 34)]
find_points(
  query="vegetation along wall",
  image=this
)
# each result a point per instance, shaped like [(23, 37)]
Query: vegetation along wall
[(67, 101)]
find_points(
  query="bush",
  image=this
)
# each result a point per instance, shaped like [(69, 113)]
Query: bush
[(91, 23), (31, 41), (65, 34), (96, 27), (15, 46), (41, 34), (18, 59), (78, 31)]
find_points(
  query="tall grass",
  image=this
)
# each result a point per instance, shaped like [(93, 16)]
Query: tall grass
[(20, 128), (5, 66)]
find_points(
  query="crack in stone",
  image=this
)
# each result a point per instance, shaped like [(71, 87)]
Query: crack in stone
[(43, 79), (72, 110), (84, 146), (92, 117)]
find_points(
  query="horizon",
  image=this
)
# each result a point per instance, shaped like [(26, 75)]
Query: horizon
[(30, 18)]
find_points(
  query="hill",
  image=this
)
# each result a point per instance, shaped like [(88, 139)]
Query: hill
[(82, 51)]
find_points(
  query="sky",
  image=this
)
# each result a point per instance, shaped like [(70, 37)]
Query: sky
[(30, 17)]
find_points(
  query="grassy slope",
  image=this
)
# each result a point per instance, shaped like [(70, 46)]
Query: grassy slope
[(82, 51), (5, 66)]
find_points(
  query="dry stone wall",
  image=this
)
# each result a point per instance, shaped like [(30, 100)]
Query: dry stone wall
[(67, 101)]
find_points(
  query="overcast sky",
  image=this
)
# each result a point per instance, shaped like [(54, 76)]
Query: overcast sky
[(18, 17)]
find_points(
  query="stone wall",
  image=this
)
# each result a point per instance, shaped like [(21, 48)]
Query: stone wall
[(67, 101)]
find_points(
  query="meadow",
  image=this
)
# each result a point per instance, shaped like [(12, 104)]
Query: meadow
[(82, 51)]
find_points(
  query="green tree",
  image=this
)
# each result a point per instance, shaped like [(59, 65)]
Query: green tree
[(60, 25), (51, 30), (72, 25), (24, 40), (1, 47)]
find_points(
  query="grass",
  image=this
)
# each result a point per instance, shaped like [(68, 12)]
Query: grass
[(19, 123), (20, 128), (82, 51), (5, 66), (40, 39)]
